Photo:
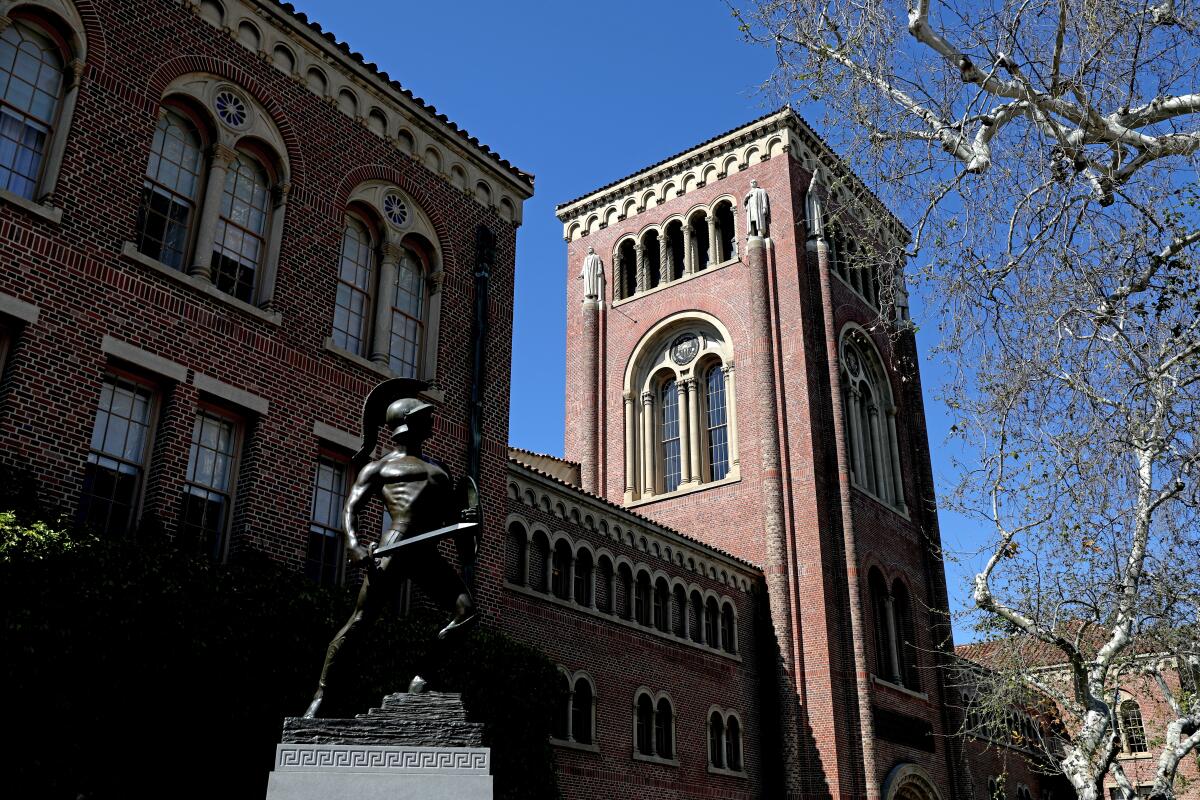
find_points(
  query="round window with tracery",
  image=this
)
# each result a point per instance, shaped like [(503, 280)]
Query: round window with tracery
[(231, 109), (395, 209)]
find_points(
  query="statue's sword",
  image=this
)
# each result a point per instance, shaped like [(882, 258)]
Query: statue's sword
[(434, 535)]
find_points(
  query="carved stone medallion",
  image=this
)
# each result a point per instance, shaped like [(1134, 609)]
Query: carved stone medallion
[(684, 348)]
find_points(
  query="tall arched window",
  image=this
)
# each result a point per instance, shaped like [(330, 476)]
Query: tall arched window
[(408, 315), (561, 726), (645, 725), (895, 634), (696, 618), (699, 241), (560, 570), (31, 83), (356, 276), (669, 403), (604, 585), (662, 605), (716, 433), (679, 612), (664, 730), (712, 618), (725, 232), (539, 562), (1133, 733), (516, 554), (870, 424), (625, 265), (680, 415), (583, 578), (716, 740), (642, 599), (624, 603), (728, 629), (733, 744), (240, 241), (582, 711), (171, 190)]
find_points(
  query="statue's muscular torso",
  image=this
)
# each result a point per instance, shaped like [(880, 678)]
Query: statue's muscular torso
[(414, 493)]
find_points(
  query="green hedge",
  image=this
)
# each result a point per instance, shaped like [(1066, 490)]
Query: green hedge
[(134, 670)]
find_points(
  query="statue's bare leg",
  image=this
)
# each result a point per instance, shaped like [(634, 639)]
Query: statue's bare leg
[(366, 608), (444, 585)]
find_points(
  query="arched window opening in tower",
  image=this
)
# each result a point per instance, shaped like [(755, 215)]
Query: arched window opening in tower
[(624, 592), (676, 251), (696, 618), (582, 711), (895, 635), (716, 740), (870, 421), (645, 725), (712, 620), (561, 727), (725, 232), (604, 585), (728, 629), (716, 433), (679, 612), (625, 265), (669, 403), (652, 255), (906, 629), (539, 562), (733, 744), (698, 229)]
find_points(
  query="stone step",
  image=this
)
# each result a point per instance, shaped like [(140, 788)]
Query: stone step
[(428, 719)]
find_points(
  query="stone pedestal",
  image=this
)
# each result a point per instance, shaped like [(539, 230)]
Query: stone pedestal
[(413, 746)]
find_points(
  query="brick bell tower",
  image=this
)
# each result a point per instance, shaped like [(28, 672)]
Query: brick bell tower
[(741, 376)]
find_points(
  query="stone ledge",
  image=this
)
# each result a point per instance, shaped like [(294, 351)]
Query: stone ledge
[(19, 309), (48, 213)]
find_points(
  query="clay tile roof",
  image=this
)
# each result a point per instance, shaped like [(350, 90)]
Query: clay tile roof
[(752, 567), (515, 449), (302, 18), (1025, 650)]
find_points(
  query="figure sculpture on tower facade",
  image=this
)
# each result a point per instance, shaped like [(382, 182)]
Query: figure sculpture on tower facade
[(420, 501), (758, 210), (592, 275)]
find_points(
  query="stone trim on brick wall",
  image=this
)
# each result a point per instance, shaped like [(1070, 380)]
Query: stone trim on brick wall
[(232, 394), (138, 357)]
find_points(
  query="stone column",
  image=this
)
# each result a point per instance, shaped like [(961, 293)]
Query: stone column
[(689, 249), (219, 160), (879, 456), (664, 258), (693, 431), (855, 433), (631, 440), (590, 416), (266, 288), (618, 268), (381, 342), (763, 378), (685, 388), (731, 417), (648, 445), (641, 266), (714, 246), (894, 454)]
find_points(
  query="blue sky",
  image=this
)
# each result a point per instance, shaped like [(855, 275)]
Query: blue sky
[(581, 94)]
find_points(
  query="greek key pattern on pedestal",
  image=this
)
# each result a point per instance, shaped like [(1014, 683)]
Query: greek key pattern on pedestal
[(366, 758)]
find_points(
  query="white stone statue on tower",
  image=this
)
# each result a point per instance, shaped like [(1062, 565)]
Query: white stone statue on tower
[(758, 210), (592, 275), (813, 208)]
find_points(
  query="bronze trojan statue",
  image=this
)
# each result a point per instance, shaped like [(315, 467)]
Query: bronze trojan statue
[(420, 500)]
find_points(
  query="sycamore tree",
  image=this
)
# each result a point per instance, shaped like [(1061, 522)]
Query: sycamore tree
[(1043, 154)]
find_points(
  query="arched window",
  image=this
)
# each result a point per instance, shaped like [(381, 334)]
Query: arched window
[(560, 571), (895, 634), (652, 253), (680, 420), (716, 433), (869, 415), (583, 578), (408, 315), (698, 233), (1133, 733), (716, 740), (733, 744), (725, 231), (995, 789), (31, 84), (171, 190), (1023, 793), (625, 265), (669, 427), (240, 241), (539, 562), (712, 616), (696, 618), (662, 605), (645, 725), (664, 730), (356, 277), (561, 726), (582, 711), (728, 629), (641, 600), (624, 591), (604, 585), (516, 554), (676, 252), (679, 613)]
